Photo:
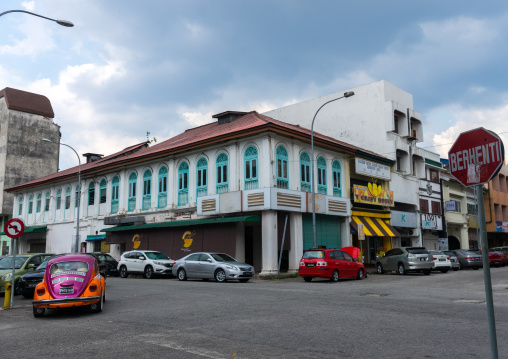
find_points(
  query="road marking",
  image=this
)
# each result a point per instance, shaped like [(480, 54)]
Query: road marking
[(172, 345)]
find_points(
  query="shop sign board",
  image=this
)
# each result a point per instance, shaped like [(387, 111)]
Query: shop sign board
[(431, 221), (442, 244), (361, 232), (476, 156), (501, 226), (403, 219), (372, 169), (373, 194), (451, 206)]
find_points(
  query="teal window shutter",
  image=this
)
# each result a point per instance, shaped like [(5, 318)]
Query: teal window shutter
[(102, 191), (305, 184), (282, 167), (202, 177), (162, 200), (68, 198), (336, 171), (321, 175), (251, 168), (39, 200), (183, 184), (222, 173), (147, 190), (47, 201), (115, 184), (30, 204), (58, 199), (91, 193), (20, 205), (131, 201)]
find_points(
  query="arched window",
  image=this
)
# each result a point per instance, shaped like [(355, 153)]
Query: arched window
[(163, 188), (47, 199), (305, 172), (147, 190), (58, 199), (30, 204), (321, 175), (222, 173), (39, 202), (133, 178), (337, 191), (68, 198), (20, 205), (202, 177), (183, 184), (251, 168), (115, 185), (282, 167), (103, 185), (91, 193)]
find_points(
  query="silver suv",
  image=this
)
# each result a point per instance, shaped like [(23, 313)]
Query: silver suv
[(406, 259)]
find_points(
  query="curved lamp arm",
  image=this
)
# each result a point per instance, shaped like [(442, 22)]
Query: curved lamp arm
[(59, 22)]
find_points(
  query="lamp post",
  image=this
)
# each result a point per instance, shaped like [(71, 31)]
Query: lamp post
[(75, 246), (59, 22), (313, 189)]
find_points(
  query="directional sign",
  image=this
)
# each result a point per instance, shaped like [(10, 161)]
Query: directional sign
[(476, 157), (14, 228)]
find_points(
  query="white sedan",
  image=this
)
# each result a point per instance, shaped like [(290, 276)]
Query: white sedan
[(442, 262)]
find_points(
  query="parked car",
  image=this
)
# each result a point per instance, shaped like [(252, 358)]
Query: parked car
[(24, 263), (406, 259), (503, 253), (211, 265), (70, 280), (453, 260), (110, 264), (442, 262), (331, 263), (27, 282), (494, 258), (468, 259), (148, 263)]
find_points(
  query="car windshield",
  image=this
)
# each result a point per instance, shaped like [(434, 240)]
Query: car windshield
[(313, 254), (469, 253), (436, 253), (69, 267), (7, 262), (44, 264), (417, 251), (156, 255), (222, 257)]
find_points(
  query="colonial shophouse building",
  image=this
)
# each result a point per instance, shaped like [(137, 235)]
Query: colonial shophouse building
[(238, 185)]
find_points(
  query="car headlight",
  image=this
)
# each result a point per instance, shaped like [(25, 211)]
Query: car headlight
[(7, 276), (158, 263), (230, 267)]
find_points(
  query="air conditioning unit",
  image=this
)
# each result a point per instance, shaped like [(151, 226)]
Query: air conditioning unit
[(414, 232)]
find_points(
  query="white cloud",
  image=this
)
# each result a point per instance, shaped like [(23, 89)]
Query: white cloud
[(28, 5), (36, 39)]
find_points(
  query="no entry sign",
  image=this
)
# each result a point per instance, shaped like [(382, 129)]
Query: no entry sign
[(476, 157), (14, 228)]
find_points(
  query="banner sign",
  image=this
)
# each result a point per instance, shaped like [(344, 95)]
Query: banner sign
[(372, 169), (432, 221), (450, 206), (373, 194), (403, 219)]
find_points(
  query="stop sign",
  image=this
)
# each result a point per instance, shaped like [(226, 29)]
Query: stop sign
[(476, 156)]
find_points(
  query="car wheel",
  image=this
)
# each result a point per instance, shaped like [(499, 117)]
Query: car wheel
[(17, 288), (97, 307), (444, 270), (123, 272), (307, 279), (335, 276), (401, 270), (379, 268), (243, 280), (220, 275), (39, 312), (148, 272), (181, 274), (426, 272), (361, 274)]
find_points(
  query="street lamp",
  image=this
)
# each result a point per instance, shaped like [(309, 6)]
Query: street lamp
[(346, 94), (75, 245), (59, 22)]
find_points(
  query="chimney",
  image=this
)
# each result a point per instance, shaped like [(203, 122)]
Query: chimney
[(91, 157), (228, 116)]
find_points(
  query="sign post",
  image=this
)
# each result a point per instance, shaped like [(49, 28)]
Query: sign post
[(476, 157), (13, 228)]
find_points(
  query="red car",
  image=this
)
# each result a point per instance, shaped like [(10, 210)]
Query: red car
[(498, 258), (332, 264)]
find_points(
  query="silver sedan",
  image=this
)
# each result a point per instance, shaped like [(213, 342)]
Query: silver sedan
[(208, 265)]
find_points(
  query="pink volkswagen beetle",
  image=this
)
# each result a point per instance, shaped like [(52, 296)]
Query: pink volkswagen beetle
[(70, 280)]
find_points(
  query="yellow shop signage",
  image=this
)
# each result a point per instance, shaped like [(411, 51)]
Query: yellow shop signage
[(373, 194)]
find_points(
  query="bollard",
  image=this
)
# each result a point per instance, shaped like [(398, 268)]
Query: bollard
[(7, 299)]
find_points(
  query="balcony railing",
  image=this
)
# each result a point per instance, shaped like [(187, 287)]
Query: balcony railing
[(131, 204), (251, 184)]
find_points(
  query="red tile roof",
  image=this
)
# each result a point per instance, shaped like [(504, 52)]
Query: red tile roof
[(249, 124), (27, 102)]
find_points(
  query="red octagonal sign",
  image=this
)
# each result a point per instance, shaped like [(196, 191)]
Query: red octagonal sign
[(476, 156)]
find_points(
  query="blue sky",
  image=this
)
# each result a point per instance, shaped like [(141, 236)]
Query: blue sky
[(128, 67)]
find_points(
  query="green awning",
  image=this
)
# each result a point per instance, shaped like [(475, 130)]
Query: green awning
[(99, 237), (38, 229), (190, 222)]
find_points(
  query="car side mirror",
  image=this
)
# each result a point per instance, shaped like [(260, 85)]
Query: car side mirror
[(30, 266), (141, 258), (355, 259), (209, 260)]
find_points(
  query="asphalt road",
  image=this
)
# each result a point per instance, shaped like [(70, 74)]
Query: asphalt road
[(383, 316)]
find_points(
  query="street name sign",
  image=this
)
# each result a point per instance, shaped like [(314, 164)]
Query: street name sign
[(476, 156)]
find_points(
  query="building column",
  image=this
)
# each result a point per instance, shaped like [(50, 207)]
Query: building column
[(464, 236), (269, 243), (240, 242), (296, 251)]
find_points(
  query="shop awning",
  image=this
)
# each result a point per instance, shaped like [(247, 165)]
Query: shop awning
[(190, 222), (376, 227), (99, 237), (38, 229)]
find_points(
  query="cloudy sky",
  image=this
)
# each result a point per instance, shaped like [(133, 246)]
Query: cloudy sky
[(131, 67)]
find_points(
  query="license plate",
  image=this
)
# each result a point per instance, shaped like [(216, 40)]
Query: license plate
[(67, 290), (32, 285), (248, 274), (478, 259), (310, 265), (442, 260)]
